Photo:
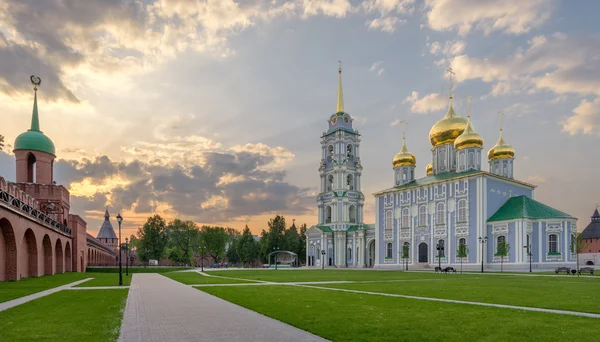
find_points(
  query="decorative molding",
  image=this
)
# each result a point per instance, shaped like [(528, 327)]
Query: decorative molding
[(500, 230), (440, 232), (529, 228), (404, 233), (554, 257), (461, 231), (554, 228)]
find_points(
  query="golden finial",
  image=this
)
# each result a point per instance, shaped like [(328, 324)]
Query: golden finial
[(501, 114), (469, 98), (36, 81), (404, 157), (340, 98), (403, 123), (449, 70)]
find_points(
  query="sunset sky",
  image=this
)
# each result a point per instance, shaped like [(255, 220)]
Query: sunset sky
[(213, 110)]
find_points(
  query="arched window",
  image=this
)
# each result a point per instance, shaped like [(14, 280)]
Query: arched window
[(31, 169), (330, 183), (406, 246), (350, 181), (405, 217), (352, 214), (471, 159), (440, 211), (404, 176), (389, 250), (552, 243), (388, 221), (422, 216), (330, 152), (462, 160), (462, 210), (349, 153), (318, 254), (500, 239), (328, 214), (349, 254)]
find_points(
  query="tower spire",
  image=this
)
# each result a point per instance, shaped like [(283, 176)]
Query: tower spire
[(449, 70), (404, 123), (35, 121), (469, 107), (340, 96)]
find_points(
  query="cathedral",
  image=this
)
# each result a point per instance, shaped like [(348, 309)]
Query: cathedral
[(489, 216)]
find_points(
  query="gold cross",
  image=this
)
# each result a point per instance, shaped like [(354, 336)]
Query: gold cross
[(501, 113), (403, 123), (340, 67), (469, 98), (449, 70)]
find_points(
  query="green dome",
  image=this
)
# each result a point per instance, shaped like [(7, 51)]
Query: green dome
[(36, 141)]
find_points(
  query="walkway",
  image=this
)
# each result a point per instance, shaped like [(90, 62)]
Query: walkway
[(22, 300), (161, 309)]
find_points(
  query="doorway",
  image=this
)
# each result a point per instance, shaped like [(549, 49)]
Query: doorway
[(371, 253), (423, 252)]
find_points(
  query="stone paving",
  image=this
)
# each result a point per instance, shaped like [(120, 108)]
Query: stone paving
[(22, 300), (161, 309)]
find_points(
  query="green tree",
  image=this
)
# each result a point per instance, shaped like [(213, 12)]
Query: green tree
[(502, 252), (152, 239), (1, 142), (462, 252), (578, 245), (274, 238), (232, 252), (302, 252), (405, 252), (183, 239), (214, 240), (292, 240), (247, 247)]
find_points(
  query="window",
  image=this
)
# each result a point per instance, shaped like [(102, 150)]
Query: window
[(388, 221), (350, 182), (389, 250), (462, 241), (462, 210), (552, 243), (349, 151), (439, 217), (330, 148), (422, 216), (471, 159), (328, 214), (440, 247), (329, 182), (318, 254), (349, 254), (352, 214), (405, 218), (404, 176), (500, 239), (357, 254), (462, 160), (406, 246)]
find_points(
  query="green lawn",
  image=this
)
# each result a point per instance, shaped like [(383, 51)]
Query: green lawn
[(321, 275), (342, 316), (93, 315), (136, 269), (192, 278), (26, 286), (105, 279)]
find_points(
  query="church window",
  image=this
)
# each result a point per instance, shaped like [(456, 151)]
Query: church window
[(388, 221), (389, 250), (552, 243), (404, 176), (349, 152), (31, 168), (349, 254), (462, 241), (352, 214), (328, 214), (422, 216), (318, 254), (500, 239), (462, 210), (330, 152), (405, 217), (350, 182), (497, 168), (330, 183), (440, 211), (471, 159)]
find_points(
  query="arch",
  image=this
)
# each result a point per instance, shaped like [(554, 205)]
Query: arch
[(422, 215), (328, 214), (439, 213), (349, 254), (405, 218), (47, 248), (471, 159), (462, 210), (349, 151), (352, 213), (68, 258), (371, 245), (389, 223), (329, 182), (8, 251), (423, 257), (389, 253), (60, 262), (350, 181), (330, 152), (31, 165), (30, 244), (462, 241), (589, 263)]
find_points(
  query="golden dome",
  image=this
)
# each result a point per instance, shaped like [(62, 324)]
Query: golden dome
[(448, 128), (469, 138), (429, 169), (501, 150), (404, 158)]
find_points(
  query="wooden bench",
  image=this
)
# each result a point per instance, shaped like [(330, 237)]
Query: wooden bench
[(586, 269), (562, 269), (449, 269)]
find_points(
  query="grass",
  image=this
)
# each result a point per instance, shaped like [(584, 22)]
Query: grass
[(105, 279), (193, 278), (66, 316), (342, 316), (320, 275), (26, 286), (136, 269)]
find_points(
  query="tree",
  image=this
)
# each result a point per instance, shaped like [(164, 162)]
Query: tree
[(578, 245), (405, 252), (503, 249), (1, 142), (214, 240), (302, 251), (152, 239), (292, 240), (232, 252), (247, 247), (462, 252), (183, 239)]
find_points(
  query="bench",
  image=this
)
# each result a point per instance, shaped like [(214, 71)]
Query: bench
[(449, 269), (438, 269), (562, 269), (586, 269)]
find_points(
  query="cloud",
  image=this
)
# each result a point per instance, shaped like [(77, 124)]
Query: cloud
[(450, 48), (428, 103), (376, 68), (586, 119), (509, 16), (385, 7), (385, 24), (331, 8)]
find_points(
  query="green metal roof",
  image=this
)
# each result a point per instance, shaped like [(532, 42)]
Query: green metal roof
[(324, 229), (340, 129), (34, 139), (520, 207)]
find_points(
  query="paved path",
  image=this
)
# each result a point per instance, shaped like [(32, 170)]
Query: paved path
[(22, 300), (161, 309)]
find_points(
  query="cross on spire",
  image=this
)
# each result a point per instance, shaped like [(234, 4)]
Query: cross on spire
[(340, 97), (449, 70), (403, 123), (469, 98), (501, 113)]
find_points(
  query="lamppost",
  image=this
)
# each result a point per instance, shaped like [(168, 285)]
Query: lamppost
[(482, 240), (126, 256), (323, 259), (407, 254), (529, 255), (120, 219), (275, 249), (439, 246)]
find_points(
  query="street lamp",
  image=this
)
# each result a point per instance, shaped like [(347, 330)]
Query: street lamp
[(440, 247), (120, 219), (529, 254), (126, 256), (323, 259), (482, 240), (407, 254), (275, 249)]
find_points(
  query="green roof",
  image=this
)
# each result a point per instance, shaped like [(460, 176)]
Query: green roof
[(324, 229), (520, 207), (339, 129), (34, 139)]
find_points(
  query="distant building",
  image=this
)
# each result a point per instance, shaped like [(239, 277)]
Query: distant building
[(591, 235), (107, 234)]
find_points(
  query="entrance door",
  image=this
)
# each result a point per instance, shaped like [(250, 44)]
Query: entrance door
[(423, 252), (372, 253)]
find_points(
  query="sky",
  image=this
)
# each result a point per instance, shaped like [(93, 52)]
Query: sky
[(212, 110)]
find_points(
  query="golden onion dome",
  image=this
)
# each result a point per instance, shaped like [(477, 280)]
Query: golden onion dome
[(501, 150), (448, 128), (404, 158), (469, 138), (429, 169)]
